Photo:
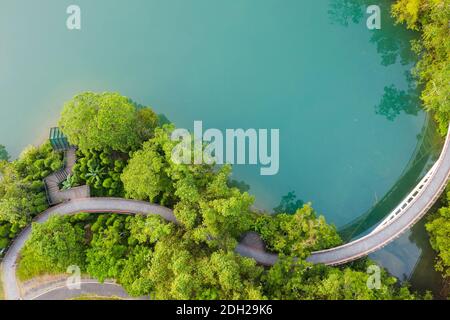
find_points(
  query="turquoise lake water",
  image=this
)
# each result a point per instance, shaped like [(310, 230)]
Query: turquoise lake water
[(353, 140)]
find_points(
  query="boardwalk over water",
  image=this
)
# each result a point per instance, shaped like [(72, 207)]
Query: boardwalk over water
[(394, 225), (411, 210)]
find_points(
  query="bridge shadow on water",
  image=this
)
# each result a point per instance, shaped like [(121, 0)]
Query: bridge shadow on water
[(410, 258), (424, 276), (426, 152)]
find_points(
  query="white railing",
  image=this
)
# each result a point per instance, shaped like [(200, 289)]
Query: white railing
[(408, 201), (416, 193)]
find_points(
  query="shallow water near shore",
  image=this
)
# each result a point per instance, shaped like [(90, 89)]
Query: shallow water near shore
[(353, 139)]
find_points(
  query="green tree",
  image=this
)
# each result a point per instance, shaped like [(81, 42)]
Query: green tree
[(298, 234), (179, 270), (293, 279), (52, 247), (22, 194), (224, 212), (147, 175), (229, 276), (101, 171), (202, 199), (106, 121), (109, 247), (133, 274), (408, 11), (19, 199)]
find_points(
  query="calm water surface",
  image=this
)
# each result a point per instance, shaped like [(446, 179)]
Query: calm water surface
[(353, 139)]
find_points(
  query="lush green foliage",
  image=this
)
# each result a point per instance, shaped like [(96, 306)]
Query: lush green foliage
[(149, 256), (147, 175), (52, 247), (22, 193), (296, 234), (431, 18), (439, 229), (106, 121), (101, 171), (300, 280), (178, 272), (109, 247), (202, 199)]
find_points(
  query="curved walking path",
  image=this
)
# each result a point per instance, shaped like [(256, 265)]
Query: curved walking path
[(95, 289), (412, 210), (86, 287)]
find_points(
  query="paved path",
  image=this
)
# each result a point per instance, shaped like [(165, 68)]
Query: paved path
[(58, 290), (52, 182), (88, 289)]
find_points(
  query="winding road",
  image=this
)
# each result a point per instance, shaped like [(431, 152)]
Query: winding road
[(413, 209)]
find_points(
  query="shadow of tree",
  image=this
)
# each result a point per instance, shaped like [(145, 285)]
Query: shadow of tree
[(344, 12), (241, 185), (424, 276), (427, 150), (393, 44), (289, 204), (392, 41)]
